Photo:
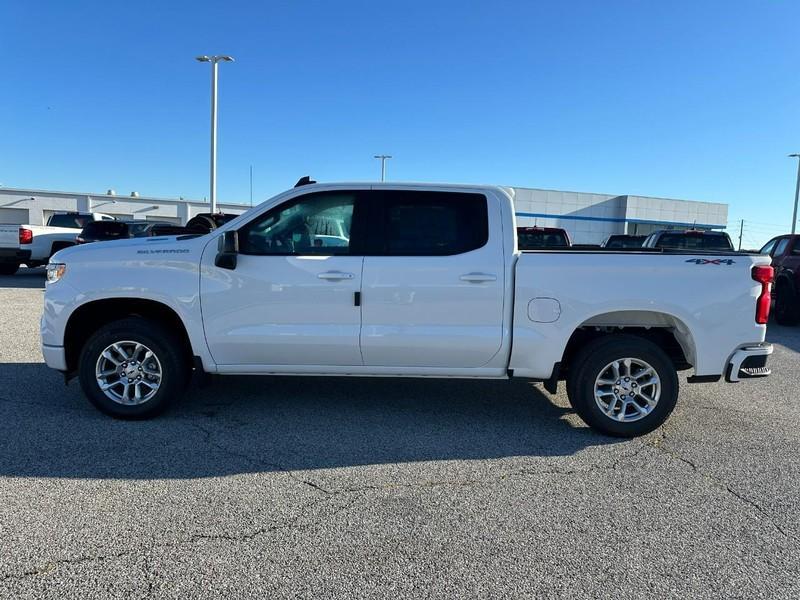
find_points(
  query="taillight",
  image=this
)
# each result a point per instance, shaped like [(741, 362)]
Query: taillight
[(25, 236), (763, 275)]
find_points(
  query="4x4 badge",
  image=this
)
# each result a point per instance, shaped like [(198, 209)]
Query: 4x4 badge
[(711, 261)]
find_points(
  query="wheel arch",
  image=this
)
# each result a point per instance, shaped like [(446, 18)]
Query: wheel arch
[(669, 332), (91, 316)]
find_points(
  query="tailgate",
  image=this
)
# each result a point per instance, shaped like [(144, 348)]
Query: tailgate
[(9, 236)]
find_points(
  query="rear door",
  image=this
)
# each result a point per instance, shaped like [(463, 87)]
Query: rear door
[(433, 280)]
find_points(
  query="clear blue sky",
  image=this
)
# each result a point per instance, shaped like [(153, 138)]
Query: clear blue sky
[(686, 99)]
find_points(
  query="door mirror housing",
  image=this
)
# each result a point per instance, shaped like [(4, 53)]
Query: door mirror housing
[(228, 250)]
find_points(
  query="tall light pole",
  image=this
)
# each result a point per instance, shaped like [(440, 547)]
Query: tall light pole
[(796, 192), (214, 60), (383, 158)]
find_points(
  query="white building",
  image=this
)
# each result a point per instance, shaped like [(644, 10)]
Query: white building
[(35, 206), (589, 218)]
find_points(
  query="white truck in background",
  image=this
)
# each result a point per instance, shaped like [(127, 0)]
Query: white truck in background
[(402, 280), (33, 245)]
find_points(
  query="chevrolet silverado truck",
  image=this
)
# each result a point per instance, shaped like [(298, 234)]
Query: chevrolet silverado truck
[(397, 280), (33, 245)]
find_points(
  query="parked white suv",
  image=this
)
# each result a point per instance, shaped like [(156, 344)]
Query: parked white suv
[(407, 281)]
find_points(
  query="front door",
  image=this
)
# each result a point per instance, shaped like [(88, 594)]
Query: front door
[(291, 300)]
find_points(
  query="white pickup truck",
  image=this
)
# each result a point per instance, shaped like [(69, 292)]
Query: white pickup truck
[(399, 280), (33, 245)]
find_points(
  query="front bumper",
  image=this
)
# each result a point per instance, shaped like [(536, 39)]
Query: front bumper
[(749, 362), (55, 357), (14, 255)]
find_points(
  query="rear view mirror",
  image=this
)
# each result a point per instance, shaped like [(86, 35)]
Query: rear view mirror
[(228, 250)]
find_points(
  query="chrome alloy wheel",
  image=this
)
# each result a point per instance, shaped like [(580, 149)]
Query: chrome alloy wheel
[(627, 389), (128, 373)]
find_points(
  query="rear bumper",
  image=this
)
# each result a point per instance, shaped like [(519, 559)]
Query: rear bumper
[(749, 362), (14, 255), (55, 357)]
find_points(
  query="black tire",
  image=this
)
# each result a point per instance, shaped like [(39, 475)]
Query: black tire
[(201, 224), (59, 246), (8, 268), (170, 355), (787, 306), (591, 363)]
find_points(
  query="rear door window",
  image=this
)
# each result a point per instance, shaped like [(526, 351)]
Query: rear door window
[(768, 247), (780, 249), (418, 223)]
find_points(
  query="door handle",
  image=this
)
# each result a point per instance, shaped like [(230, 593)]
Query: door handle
[(478, 277), (335, 275)]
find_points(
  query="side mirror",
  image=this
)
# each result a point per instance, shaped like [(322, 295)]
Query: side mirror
[(228, 250)]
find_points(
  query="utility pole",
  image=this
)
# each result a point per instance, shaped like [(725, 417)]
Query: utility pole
[(214, 60), (796, 192), (741, 232), (383, 158), (251, 186)]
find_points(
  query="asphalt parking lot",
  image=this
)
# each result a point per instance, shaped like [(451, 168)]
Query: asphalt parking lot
[(329, 487)]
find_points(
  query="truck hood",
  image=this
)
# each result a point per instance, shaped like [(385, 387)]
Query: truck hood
[(164, 247)]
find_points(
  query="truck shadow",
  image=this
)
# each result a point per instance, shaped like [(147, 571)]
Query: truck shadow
[(258, 424), (788, 337), (24, 278)]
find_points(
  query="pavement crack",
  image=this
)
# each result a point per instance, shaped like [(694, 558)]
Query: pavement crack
[(52, 565), (658, 445), (257, 462)]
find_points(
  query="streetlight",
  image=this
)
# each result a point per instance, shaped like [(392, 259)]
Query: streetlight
[(214, 60), (796, 192), (383, 158)]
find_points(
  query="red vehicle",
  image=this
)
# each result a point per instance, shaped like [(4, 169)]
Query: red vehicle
[(785, 253), (538, 238)]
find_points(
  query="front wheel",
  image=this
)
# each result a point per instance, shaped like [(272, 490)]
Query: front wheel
[(133, 368), (623, 385)]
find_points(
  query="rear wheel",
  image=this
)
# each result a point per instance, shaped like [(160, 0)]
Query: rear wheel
[(8, 268), (623, 385), (133, 368), (787, 307)]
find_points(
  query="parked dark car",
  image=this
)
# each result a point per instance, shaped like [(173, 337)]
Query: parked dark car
[(205, 222), (622, 241), (538, 238), (785, 253), (100, 231), (689, 239)]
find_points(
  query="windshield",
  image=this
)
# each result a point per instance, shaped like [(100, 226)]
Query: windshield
[(71, 221)]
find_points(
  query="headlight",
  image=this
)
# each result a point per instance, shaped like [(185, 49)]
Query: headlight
[(55, 271)]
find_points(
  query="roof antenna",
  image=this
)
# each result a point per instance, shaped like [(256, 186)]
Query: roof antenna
[(306, 180)]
